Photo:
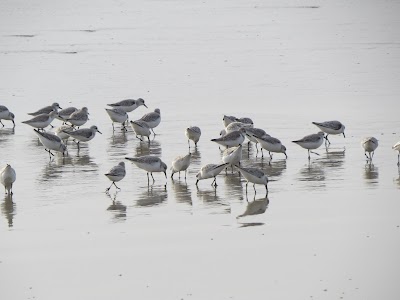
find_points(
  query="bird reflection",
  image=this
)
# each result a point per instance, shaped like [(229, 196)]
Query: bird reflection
[(333, 159), (255, 207), (182, 192), (8, 209), (314, 174), (144, 148), (152, 197), (371, 173), (7, 131), (397, 180), (234, 186), (211, 201), (195, 162), (117, 208), (276, 168), (118, 139)]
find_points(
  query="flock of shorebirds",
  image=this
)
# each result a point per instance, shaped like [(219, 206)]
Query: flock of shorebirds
[(235, 131)]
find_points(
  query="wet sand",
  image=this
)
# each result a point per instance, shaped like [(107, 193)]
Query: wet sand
[(329, 229)]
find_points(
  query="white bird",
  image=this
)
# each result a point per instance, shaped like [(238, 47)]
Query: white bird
[(232, 155), (193, 133), (271, 144), (234, 126), (116, 174), (66, 113), (330, 127), (247, 121), (51, 142), (128, 105), (209, 171), (253, 133), (231, 139), (312, 141), (5, 114), (255, 176), (7, 178), (226, 120), (79, 117), (62, 131), (46, 110), (150, 164), (397, 148), (180, 163), (84, 134), (117, 115), (42, 121), (141, 128), (152, 119), (369, 144)]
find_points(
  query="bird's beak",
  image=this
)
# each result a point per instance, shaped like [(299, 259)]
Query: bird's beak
[(343, 135), (197, 181), (59, 107), (165, 173), (145, 105), (285, 154), (99, 131)]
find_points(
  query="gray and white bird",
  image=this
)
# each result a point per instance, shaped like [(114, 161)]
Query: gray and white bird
[(46, 110), (310, 142), (65, 113), (150, 164), (271, 144), (62, 132), (79, 117), (255, 176), (116, 173), (226, 120), (232, 155), (117, 115), (330, 127), (253, 133), (83, 134), (180, 163), (141, 128), (210, 171), (42, 121), (231, 139), (5, 114), (51, 142), (369, 144), (7, 178), (128, 105), (193, 133), (152, 119)]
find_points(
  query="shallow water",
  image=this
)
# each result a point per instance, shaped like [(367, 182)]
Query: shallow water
[(330, 227)]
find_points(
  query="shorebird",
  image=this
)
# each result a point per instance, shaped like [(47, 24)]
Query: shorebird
[(65, 113), (128, 105), (180, 163), (272, 144), (51, 142), (252, 134), (84, 134), (5, 114), (46, 110), (141, 128), (231, 139), (7, 178), (79, 117), (330, 127), (150, 164), (255, 176), (193, 133), (310, 142), (232, 155), (369, 144), (42, 121), (209, 171), (116, 174), (152, 119), (117, 115)]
